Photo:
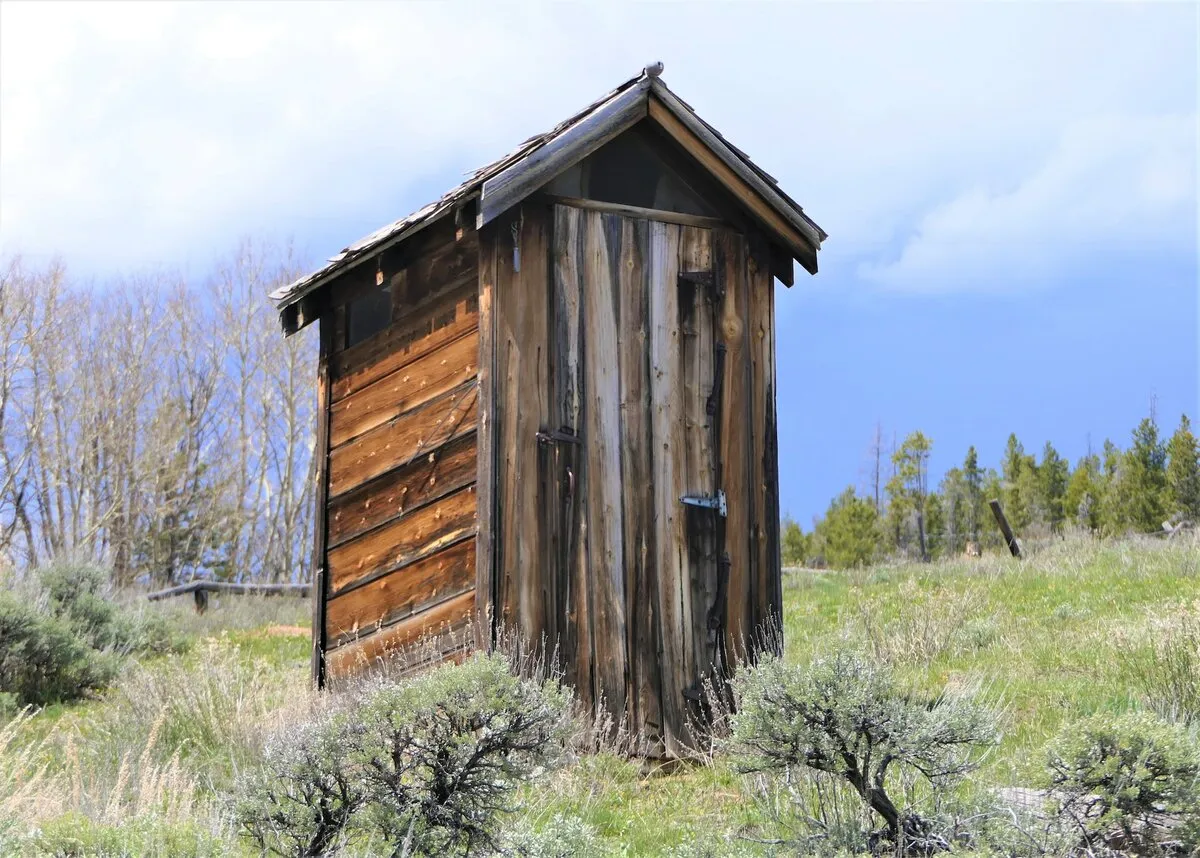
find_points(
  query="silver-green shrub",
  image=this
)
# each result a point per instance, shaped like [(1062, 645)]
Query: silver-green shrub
[(848, 717), (1119, 779)]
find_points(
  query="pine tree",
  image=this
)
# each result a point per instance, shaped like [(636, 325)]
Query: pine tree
[(973, 479), (1052, 486), (1017, 484), (1084, 490), (1114, 512), (794, 541), (1143, 480), (908, 489), (955, 506), (848, 535), (1183, 473), (935, 526)]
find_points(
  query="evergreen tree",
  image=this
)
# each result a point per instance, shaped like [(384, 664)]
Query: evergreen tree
[(794, 543), (908, 489), (1183, 473), (935, 526), (989, 531), (1114, 514), (1018, 481), (955, 508), (1052, 485), (849, 533), (1143, 481), (973, 480), (1084, 490)]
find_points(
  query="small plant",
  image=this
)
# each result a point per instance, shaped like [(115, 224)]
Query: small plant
[(300, 802), (1117, 778), (847, 717), (428, 765), (42, 659), (1168, 672)]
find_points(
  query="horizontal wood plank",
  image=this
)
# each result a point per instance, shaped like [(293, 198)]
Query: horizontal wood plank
[(403, 489), (402, 540), (637, 212), (453, 614), (416, 433), (405, 341), (399, 594), (432, 374)]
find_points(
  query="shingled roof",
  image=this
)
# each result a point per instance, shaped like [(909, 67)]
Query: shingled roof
[(505, 182)]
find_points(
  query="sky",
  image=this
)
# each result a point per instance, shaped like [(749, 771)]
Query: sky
[(1010, 189)]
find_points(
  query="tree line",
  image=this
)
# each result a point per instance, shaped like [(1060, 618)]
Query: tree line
[(1152, 482), (160, 426)]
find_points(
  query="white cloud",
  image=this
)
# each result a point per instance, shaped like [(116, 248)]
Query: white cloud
[(138, 134), (1112, 186)]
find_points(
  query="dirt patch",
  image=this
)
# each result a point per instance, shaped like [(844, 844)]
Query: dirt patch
[(287, 631)]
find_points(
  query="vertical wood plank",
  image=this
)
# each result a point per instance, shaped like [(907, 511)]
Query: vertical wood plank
[(666, 414), (485, 467), (766, 570), (321, 493), (602, 438), (637, 483), (521, 377), (735, 440), (570, 537)]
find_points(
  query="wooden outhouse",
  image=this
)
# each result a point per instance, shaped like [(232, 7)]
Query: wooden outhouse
[(547, 406)]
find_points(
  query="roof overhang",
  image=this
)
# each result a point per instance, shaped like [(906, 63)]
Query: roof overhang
[(507, 182)]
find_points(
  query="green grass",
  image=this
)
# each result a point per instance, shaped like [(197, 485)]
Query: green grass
[(1049, 639)]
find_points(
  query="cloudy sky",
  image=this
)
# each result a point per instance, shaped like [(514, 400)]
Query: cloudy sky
[(1010, 189)]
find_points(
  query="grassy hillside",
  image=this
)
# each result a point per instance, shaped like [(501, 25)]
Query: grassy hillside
[(1068, 632)]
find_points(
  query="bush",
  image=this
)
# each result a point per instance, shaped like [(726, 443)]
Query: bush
[(1168, 672), (846, 717), (42, 659), (1115, 777), (428, 765), (62, 639), (301, 801)]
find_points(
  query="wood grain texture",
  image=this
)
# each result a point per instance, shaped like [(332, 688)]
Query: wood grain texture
[(522, 410), (567, 534), (485, 537), (602, 438), (408, 339), (637, 212), (402, 540), (416, 433), (430, 375), (401, 490), (644, 709), (669, 465), (409, 590), (453, 615), (320, 495), (735, 438)]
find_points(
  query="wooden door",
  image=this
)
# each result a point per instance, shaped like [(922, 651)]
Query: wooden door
[(633, 508)]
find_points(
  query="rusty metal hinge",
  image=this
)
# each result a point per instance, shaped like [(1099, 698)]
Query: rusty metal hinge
[(557, 436)]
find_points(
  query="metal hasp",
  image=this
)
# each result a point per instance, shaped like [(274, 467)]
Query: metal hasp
[(707, 502)]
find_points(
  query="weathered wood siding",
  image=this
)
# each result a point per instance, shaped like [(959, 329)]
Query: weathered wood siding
[(400, 515), (611, 334)]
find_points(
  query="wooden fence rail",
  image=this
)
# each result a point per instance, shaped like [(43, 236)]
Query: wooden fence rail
[(201, 589)]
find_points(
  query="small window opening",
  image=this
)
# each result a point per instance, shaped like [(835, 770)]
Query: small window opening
[(367, 315)]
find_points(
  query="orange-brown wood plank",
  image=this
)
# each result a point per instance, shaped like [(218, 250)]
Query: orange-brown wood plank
[(430, 375), (408, 339), (399, 594), (522, 398), (637, 482), (417, 433), (735, 440), (669, 463), (767, 583), (419, 481), (403, 540), (452, 615)]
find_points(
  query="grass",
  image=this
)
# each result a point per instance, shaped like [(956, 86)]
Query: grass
[(1072, 630)]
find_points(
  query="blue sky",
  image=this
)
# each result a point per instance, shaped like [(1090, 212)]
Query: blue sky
[(1010, 189)]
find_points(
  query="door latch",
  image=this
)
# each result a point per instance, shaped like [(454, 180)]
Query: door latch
[(716, 502)]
